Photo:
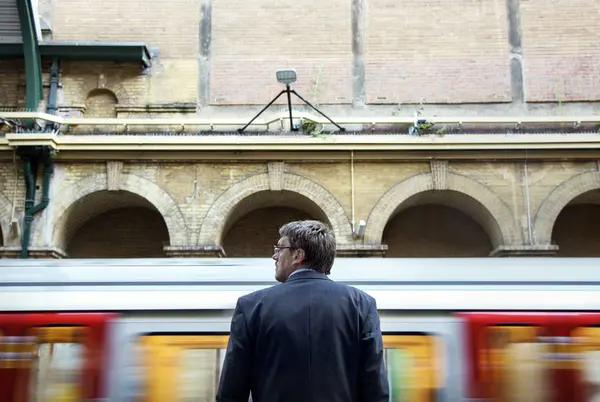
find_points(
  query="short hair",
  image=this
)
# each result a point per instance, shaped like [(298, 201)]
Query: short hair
[(317, 241)]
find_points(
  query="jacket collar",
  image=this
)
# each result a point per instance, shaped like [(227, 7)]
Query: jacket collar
[(307, 275)]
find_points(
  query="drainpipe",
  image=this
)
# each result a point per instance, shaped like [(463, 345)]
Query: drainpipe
[(31, 161), (52, 96)]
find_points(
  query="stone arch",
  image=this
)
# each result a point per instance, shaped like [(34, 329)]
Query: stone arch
[(500, 225), (5, 217), (213, 225), (554, 203), (178, 232)]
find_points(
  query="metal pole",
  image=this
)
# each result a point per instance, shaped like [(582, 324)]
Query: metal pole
[(265, 108), (287, 86), (322, 114)]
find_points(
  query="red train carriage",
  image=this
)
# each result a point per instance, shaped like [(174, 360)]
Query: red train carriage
[(550, 357), (165, 341), (53, 356)]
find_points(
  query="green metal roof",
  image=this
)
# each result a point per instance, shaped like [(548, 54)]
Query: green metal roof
[(101, 51)]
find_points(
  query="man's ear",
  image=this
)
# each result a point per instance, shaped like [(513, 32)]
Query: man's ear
[(299, 256)]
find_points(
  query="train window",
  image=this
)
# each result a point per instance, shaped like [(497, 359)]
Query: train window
[(15, 351), (57, 364), (413, 364), (516, 364), (182, 368), (586, 342)]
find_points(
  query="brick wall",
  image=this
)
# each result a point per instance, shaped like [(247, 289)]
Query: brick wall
[(437, 51), (80, 79), (12, 83), (435, 231), (188, 198), (312, 36), (12, 192), (101, 103), (560, 46), (121, 233), (576, 231), (172, 28), (255, 234)]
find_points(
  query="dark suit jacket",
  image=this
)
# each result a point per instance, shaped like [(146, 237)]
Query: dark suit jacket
[(309, 339)]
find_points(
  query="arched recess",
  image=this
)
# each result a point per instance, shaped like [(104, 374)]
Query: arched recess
[(252, 227), (113, 224), (462, 193), (178, 232), (214, 224), (101, 102), (554, 203)]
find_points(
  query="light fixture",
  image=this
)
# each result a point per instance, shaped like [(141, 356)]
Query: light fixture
[(359, 231), (286, 77)]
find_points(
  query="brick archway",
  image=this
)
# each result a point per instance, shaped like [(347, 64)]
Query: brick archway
[(559, 198), (178, 232), (211, 232), (499, 222)]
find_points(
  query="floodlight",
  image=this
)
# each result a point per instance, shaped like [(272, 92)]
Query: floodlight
[(286, 76), (359, 231)]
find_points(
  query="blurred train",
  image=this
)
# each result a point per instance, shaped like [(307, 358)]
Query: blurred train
[(505, 329)]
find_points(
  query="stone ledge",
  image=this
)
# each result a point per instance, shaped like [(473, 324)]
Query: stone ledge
[(149, 109), (361, 250), (34, 252), (538, 250), (194, 251)]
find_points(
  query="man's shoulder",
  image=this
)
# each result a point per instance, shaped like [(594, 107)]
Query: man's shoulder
[(329, 286), (259, 294), (343, 287)]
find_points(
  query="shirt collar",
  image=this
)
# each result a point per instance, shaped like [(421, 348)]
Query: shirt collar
[(299, 270)]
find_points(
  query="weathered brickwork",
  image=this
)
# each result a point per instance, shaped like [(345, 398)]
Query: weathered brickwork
[(171, 29), (560, 45), (217, 58), (372, 181), (214, 224), (437, 230), (128, 85), (224, 53), (64, 205), (576, 231), (12, 193), (437, 51), (134, 232), (12, 84), (312, 36), (261, 224), (562, 195), (414, 209), (482, 203)]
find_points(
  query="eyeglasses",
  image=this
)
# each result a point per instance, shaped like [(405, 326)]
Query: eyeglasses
[(277, 249)]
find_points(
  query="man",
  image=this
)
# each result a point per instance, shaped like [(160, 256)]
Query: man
[(307, 339)]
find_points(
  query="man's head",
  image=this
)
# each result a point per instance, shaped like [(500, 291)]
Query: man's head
[(303, 244)]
